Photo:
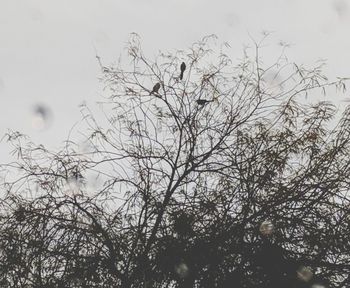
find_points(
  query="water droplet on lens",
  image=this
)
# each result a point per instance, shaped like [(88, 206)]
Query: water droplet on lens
[(232, 20), (74, 184), (318, 286), (181, 269), (266, 228), (304, 274), (272, 81), (41, 118), (341, 8), (36, 15)]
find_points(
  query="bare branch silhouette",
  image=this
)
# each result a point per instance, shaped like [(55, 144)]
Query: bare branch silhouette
[(227, 179)]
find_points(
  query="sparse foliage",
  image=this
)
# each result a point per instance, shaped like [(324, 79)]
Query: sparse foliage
[(173, 192)]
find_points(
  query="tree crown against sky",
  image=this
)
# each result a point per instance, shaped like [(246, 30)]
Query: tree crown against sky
[(224, 178)]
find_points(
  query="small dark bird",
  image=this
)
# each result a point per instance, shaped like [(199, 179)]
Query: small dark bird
[(182, 68), (155, 89), (203, 101)]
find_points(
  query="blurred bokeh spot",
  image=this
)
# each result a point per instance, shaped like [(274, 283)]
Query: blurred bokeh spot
[(232, 20), (266, 228), (41, 117), (36, 15), (341, 8), (318, 286), (181, 269), (304, 274)]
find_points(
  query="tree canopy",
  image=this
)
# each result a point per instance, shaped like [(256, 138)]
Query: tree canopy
[(215, 173)]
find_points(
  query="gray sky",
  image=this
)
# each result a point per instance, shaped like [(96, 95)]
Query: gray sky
[(47, 47)]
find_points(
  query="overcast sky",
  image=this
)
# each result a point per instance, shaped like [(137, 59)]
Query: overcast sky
[(47, 47)]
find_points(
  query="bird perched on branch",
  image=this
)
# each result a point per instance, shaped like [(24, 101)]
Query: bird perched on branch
[(155, 89), (203, 101), (182, 68)]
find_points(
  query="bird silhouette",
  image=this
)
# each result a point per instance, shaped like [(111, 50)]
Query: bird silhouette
[(155, 89), (182, 68), (203, 101)]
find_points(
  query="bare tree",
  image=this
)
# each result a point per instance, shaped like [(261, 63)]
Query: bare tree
[(225, 178)]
